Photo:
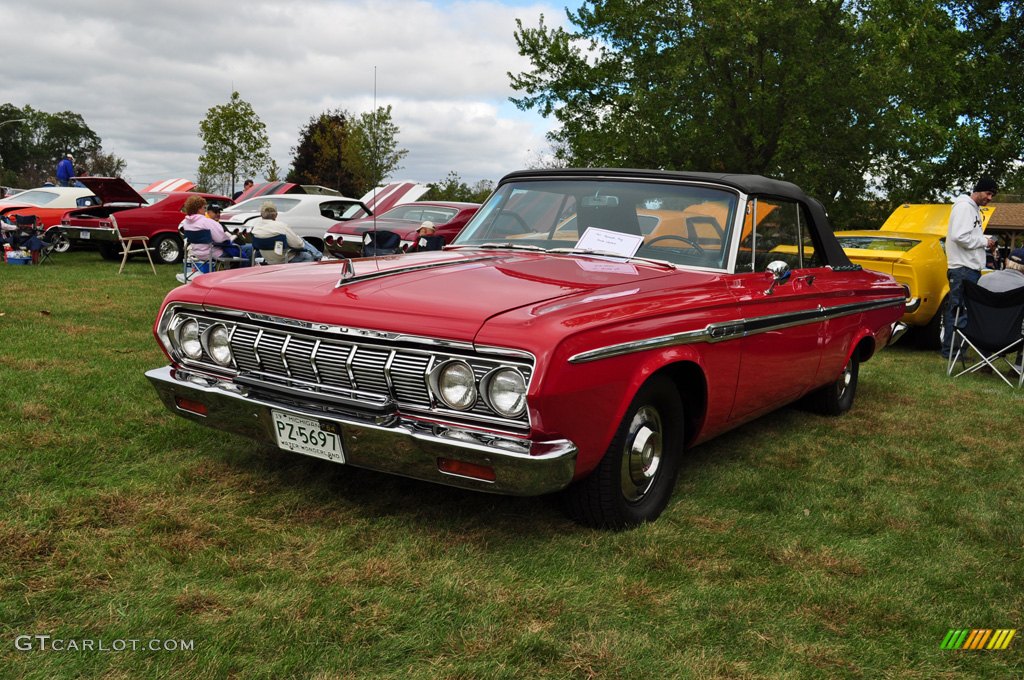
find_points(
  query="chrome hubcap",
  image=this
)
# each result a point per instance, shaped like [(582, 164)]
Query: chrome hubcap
[(845, 379), (169, 250), (641, 458)]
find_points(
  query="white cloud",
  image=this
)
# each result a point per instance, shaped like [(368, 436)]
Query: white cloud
[(143, 75)]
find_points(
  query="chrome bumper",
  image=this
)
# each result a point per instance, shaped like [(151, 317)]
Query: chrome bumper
[(89, 234), (404, 447)]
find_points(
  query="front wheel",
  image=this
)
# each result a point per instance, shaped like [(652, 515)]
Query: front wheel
[(836, 398), (634, 480)]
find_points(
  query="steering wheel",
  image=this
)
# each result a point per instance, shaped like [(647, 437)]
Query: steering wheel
[(693, 244)]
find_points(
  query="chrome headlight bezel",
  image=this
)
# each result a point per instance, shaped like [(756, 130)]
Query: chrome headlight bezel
[(217, 343), (187, 339), (449, 378), (498, 384)]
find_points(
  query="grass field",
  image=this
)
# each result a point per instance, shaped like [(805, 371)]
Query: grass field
[(795, 547)]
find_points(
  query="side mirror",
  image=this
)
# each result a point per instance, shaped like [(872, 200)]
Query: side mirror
[(780, 272)]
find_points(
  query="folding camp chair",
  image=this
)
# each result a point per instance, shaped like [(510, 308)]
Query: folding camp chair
[(992, 336), (429, 243), (133, 245), (381, 242), (278, 244)]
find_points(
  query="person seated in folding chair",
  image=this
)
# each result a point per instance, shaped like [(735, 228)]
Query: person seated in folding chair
[(1004, 280), (427, 238), (1010, 278), (222, 243), (268, 227)]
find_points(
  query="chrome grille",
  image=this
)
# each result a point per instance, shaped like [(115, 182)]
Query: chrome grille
[(373, 365)]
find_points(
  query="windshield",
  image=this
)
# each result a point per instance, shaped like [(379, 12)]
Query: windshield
[(688, 225), (901, 245)]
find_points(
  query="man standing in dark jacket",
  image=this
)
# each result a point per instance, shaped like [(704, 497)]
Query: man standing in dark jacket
[(65, 170)]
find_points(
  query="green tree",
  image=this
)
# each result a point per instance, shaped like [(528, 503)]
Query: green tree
[(235, 142), (847, 99), (452, 188), (319, 157), (31, 147), (371, 149)]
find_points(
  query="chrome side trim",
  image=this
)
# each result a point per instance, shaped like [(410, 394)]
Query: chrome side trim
[(730, 330)]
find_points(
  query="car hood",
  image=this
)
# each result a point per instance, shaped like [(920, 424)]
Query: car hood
[(418, 294), (926, 218), (112, 190)]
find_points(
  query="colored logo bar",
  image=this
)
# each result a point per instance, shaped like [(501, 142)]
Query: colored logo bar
[(978, 638)]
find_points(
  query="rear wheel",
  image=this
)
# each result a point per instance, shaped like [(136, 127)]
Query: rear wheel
[(169, 248), (836, 398), (634, 480), (930, 336), (110, 251)]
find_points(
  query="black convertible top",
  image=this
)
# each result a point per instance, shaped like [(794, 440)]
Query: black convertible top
[(757, 185)]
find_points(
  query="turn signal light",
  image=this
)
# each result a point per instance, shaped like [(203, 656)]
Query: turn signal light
[(464, 469)]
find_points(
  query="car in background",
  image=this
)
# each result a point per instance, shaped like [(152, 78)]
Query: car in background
[(448, 217), (910, 246), (48, 204), (154, 214), (526, 359), (309, 215)]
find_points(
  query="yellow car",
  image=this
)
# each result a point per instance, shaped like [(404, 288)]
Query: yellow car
[(911, 247)]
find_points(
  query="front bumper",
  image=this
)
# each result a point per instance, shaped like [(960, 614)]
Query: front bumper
[(402, 447)]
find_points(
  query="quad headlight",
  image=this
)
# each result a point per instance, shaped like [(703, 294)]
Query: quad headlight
[(455, 384), (188, 339), (218, 344), (504, 390)]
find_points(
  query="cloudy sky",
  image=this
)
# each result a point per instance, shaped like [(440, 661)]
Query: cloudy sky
[(144, 74)]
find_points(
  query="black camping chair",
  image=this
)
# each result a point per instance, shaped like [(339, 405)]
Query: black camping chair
[(381, 243), (429, 243), (992, 336)]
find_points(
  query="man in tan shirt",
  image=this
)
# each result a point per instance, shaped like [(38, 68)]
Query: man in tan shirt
[(297, 250)]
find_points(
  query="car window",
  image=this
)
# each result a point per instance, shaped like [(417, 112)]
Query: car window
[(779, 231), (37, 197), (153, 197), (901, 245), (282, 203), (337, 210), (421, 213)]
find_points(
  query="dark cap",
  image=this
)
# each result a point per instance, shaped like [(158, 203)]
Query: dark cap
[(214, 208), (1016, 256), (985, 184)]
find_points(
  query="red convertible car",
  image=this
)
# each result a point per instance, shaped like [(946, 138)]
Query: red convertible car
[(577, 352), (155, 214)]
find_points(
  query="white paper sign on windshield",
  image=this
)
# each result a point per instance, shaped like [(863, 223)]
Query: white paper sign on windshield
[(610, 242)]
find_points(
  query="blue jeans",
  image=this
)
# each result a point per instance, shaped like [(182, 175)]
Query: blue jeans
[(309, 253), (956, 277)]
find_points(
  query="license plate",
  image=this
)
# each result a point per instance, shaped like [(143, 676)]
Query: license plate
[(308, 436), (86, 235)]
